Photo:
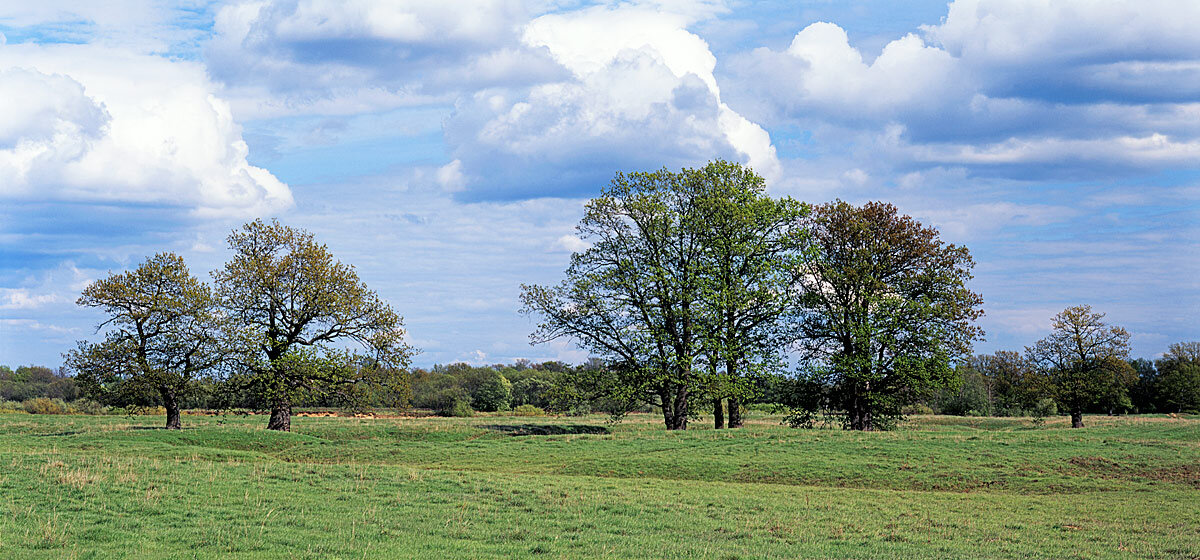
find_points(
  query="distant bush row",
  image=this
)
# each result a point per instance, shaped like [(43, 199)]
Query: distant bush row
[(43, 405)]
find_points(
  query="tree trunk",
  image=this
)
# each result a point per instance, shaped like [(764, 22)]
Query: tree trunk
[(718, 414), (281, 417), (735, 413), (860, 419), (171, 403), (675, 410), (1076, 418)]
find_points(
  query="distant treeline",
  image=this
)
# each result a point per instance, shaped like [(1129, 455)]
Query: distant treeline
[(1002, 384)]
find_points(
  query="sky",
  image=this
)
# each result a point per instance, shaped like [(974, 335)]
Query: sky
[(447, 149)]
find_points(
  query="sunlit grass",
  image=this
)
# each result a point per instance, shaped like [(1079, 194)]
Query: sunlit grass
[(97, 487)]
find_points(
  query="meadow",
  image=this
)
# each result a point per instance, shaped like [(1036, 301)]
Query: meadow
[(507, 486)]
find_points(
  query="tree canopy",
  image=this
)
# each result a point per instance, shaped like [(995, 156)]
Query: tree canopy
[(884, 309), (296, 308), (162, 332), (1084, 358)]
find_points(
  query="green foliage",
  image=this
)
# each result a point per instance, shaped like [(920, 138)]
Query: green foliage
[(532, 391), (11, 407), (490, 391), (162, 333), (1045, 407), (972, 396), (293, 304), (679, 292), (1086, 362), (885, 309), (1178, 383), (917, 409), (28, 382), (453, 401), (528, 410), (43, 405)]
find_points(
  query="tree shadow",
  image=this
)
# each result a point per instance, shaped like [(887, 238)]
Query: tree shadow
[(545, 429)]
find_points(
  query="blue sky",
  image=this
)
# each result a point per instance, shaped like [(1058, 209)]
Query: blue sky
[(447, 150)]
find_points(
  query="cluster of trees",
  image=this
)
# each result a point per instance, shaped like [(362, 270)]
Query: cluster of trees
[(460, 389), (1014, 384), (283, 322), (32, 382), (698, 293), (697, 285)]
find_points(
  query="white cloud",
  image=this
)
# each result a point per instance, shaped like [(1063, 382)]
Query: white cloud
[(106, 125), (24, 299), (340, 57), (642, 96), (571, 244), (1016, 88)]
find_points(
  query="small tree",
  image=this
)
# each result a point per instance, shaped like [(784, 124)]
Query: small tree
[(296, 303), (1016, 384), (1084, 359), (162, 334), (1179, 378), (884, 310)]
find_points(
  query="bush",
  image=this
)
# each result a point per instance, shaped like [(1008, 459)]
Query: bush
[(460, 409), (532, 391), (1012, 411), (1045, 407), (528, 410), (452, 402), (918, 409), (88, 406), (490, 391), (11, 407), (42, 405)]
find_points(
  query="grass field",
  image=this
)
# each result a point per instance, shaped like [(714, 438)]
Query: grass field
[(504, 486)]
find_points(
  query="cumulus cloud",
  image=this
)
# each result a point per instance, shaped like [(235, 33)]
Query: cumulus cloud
[(97, 124), (1006, 87), (282, 56), (642, 95)]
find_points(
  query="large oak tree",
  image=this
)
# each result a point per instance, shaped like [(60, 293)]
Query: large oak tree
[(751, 246), (298, 308), (162, 333), (885, 309), (632, 297)]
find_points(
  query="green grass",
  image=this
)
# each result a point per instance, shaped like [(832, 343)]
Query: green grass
[(505, 486)]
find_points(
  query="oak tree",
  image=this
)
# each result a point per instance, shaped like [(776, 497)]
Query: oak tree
[(308, 325), (751, 247), (633, 295), (162, 333), (1085, 359), (885, 309)]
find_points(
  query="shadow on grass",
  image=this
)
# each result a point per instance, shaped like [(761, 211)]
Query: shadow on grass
[(544, 429)]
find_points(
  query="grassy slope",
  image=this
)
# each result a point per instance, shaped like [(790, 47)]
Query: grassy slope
[(939, 487)]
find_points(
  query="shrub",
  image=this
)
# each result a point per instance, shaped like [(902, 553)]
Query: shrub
[(529, 410), (88, 406), (533, 391), (11, 407), (490, 391), (1012, 411), (460, 409), (42, 405), (1045, 407), (452, 402), (918, 409)]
